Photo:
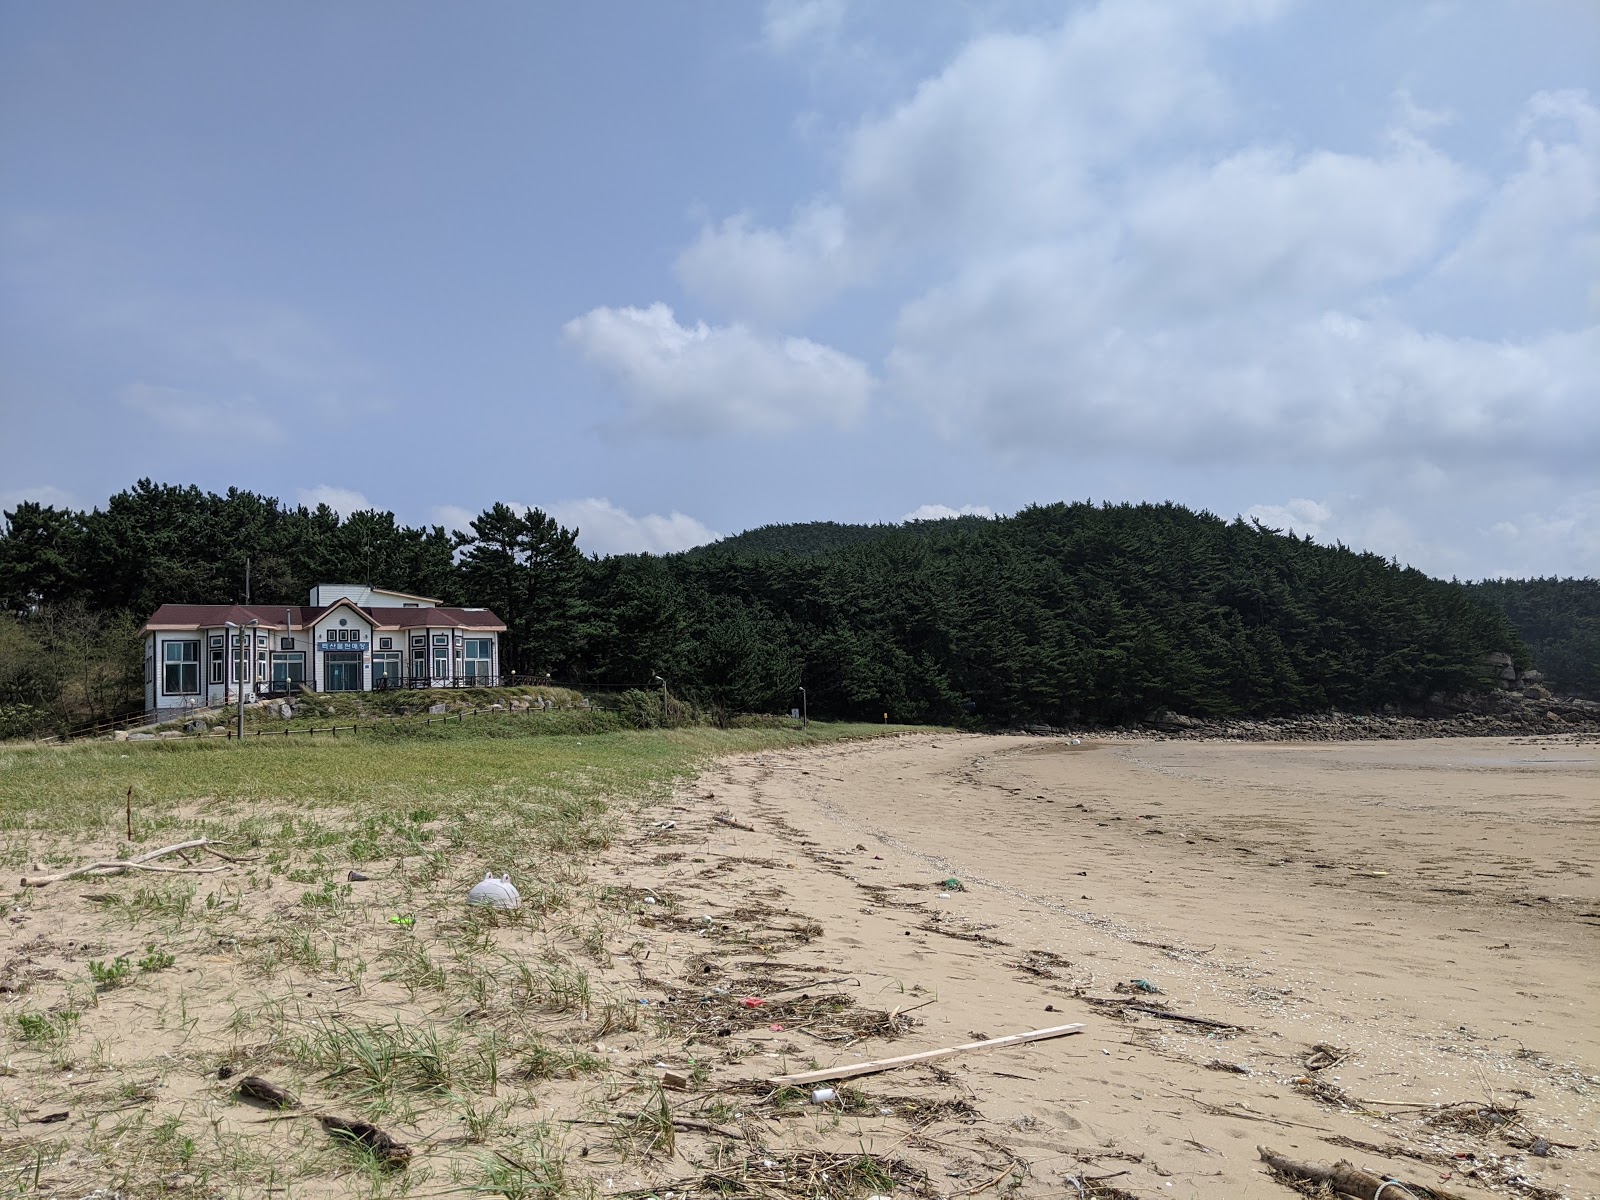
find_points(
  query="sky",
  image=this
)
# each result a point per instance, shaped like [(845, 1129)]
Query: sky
[(671, 271)]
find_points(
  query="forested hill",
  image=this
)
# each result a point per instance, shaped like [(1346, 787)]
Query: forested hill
[(1064, 612), (815, 537), (1559, 619)]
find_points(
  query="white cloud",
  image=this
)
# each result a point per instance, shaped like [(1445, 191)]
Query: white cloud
[(1006, 141), (769, 274), (46, 494), (1111, 267), (453, 516), (1264, 226), (1306, 518), (193, 415), (941, 512), (1536, 212), (701, 379), (789, 24), (1363, 524), (342, 500), (1530, 544), (604, 528)]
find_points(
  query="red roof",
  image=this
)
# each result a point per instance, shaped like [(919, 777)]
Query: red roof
[(298, 616)]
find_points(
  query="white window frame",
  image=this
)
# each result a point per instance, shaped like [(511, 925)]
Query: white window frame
[(168, 662)]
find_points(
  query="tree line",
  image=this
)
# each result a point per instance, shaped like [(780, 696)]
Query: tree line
[(1061, 613)]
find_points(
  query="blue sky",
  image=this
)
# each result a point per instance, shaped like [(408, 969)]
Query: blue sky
[(669, 271)]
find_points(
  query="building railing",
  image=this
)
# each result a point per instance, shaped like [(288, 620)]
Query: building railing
[(388, 683)]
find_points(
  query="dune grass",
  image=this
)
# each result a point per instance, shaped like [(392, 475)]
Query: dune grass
[(385, 998), (486, 766)]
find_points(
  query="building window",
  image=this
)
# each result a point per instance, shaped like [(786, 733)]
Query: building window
[(182, 676), (385, 643), (219, 665), (419, 661), (441, 639), (288, 669), (261, 665), (478, 656), (441, 662), (419, 640), (216, 639), (385, 668)]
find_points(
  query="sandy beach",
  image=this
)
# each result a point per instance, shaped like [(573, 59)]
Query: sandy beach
[(1427, 911)]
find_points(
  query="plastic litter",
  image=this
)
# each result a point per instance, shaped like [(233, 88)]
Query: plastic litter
[(751, 1002), (953, 885), (1144, 985), (495, 893), (824, 1096), (403, 922)]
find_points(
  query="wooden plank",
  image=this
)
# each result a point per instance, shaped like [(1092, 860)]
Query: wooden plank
[(922, 1056)]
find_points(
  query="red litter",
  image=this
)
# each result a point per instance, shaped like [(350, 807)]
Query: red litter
[(775, 1027), (752, 1002)]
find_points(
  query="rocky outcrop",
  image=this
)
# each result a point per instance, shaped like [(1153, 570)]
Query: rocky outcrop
[(1491, 714)]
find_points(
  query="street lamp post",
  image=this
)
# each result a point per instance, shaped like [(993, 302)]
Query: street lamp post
[(663, 684), (244, 659), (805, 720)]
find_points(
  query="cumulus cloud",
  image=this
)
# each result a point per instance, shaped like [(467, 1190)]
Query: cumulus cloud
[(1111, 266), (770, 274), (941, 512), (343, 501), (1364, 523), (605, 528), (1306, 518), (700, 379), (1534, 214), (193, 415), (453, 516)]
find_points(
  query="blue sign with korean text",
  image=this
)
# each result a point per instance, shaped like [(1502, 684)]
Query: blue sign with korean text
[(344, 645)]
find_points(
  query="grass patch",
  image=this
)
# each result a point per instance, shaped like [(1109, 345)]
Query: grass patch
[(336, 957)]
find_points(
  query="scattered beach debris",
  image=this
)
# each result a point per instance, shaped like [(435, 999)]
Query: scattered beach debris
[(495, 892), (851, 1070), (143, 862), (384, 1148), (1322, 1056), (1345, 1179), (727, 819)]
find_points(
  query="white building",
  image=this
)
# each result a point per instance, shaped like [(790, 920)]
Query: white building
[(350, 638)]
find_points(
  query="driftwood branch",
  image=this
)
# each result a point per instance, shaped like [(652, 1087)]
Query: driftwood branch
[(382, 1146), (1349, 1180), (906, 1060), (1151, 1010), (139, 862), (722, 819)]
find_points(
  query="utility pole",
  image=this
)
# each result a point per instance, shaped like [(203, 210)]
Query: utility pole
[(244, 661), (663, 684), (805, 720)]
